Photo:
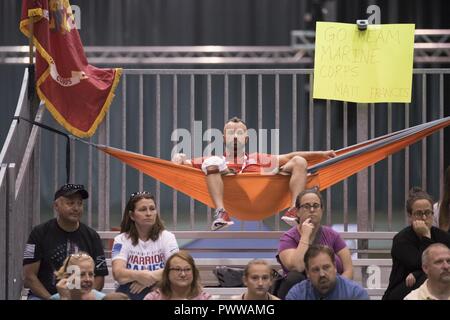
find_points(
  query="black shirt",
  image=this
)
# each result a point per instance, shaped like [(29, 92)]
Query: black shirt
[(50, 244), (406, 252)]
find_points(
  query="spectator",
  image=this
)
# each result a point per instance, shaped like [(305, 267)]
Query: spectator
[(235, 160), (295, 242), (258, 278), (76, 279), (323, 282), (436, 265), (409, 244), (142, 248), (51, 242), (180, 280)]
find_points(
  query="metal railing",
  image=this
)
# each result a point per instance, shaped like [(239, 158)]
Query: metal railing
[(150, 104), (432, 46), (19, 193)]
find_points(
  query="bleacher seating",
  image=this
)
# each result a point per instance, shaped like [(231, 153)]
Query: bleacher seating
[(211, 284), (207, 265)]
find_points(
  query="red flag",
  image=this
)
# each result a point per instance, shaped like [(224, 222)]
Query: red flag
[(77, 94)]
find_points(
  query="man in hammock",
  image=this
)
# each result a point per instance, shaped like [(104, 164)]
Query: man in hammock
[(236, 160)]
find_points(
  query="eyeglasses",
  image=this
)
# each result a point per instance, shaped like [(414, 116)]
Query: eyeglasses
[(180, 270), (420, 213), (309, 206), (140, 193)]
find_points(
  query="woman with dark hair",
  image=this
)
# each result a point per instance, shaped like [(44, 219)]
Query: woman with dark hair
[(409, 244), (441, 209), (295, 242), (141, 250), (180, 280)]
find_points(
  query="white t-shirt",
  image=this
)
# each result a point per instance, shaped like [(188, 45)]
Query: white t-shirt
[(146, 255), (421, 293)]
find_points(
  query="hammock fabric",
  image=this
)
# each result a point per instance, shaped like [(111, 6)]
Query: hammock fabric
[(253, 196)]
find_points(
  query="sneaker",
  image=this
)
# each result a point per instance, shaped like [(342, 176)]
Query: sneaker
[(290, 217), (222, 220)]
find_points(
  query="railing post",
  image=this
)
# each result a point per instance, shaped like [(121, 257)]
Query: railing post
[(3, 231), (35, 169), (362, 193), (11, 231), (101, 179)]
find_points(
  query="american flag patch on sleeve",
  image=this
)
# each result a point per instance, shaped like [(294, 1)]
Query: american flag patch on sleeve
[(29, 251), (116, 249)]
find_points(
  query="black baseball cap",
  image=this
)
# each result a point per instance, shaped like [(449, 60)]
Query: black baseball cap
[(69, 189)]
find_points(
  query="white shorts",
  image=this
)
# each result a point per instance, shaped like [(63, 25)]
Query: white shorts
[(214, 161)]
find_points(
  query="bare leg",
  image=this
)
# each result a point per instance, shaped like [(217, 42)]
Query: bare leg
[(297, 168), (215, 186)]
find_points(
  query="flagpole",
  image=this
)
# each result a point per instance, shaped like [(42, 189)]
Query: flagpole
[(31, 70)]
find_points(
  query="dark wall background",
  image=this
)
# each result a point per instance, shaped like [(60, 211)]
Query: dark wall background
[(204, 22), (215, 22), (221, 22)]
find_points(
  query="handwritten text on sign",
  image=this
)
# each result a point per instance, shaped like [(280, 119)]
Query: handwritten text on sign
[(374, 65)]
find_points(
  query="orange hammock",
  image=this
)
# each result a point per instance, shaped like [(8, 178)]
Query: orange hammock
[(252, 196)]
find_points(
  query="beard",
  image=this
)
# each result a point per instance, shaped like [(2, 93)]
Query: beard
[(324, 285), (235, 148)]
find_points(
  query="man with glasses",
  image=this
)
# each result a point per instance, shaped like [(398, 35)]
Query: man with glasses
[(51, 242), (409, 244)]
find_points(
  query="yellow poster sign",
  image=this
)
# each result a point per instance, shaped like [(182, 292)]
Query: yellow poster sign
[(374, 65)]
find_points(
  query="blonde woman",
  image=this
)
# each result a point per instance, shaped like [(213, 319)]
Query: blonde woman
[(76, 279), (258, 278)]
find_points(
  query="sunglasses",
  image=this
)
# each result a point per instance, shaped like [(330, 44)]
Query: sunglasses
[(74, 255), (68, 187), (140, 193)]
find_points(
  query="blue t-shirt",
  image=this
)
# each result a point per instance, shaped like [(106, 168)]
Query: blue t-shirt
[(345, 289), (98, 295)]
